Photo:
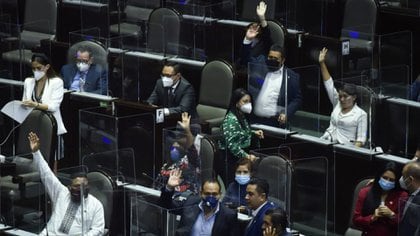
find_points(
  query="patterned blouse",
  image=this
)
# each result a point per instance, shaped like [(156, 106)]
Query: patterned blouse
[(235, 138)]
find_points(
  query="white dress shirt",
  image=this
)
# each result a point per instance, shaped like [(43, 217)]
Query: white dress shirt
[(266, 102), (345, 128), (93, 223)]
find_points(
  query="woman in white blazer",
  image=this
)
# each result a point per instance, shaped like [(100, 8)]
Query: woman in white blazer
[(44, 91)]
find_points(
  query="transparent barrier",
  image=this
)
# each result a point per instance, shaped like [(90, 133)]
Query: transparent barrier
[(405, 7), (180, 152), (275, 98), (101, 131), (394, 81), (216, 9), (148, 218), (22, 196), (298, 184), (409, 214), (10, 42), (99, 199), (308, 119)]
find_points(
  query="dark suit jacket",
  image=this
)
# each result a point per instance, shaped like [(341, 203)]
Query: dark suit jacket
[(96, 78), (256, 224), (258, 71), (410, 222), (226, 221), (184, 98)]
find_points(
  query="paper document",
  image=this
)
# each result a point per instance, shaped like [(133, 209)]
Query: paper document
[(16, 110)]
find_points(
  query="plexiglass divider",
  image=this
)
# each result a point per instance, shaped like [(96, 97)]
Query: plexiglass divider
[(180, 152), (107, 135), (149, 218), (394, 81), (11, 47), (262, 84), (306, 203)]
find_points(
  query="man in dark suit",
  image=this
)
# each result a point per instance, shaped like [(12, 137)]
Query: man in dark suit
[(410, 180), (275, 88), (200, 215), (84, 75), (173, 92), (257, 200)]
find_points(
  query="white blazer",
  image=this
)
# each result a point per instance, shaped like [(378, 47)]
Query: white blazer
[(52, 96)]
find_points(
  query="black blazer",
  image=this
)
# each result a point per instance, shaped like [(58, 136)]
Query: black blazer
[(410, 222), (226, 221), (184, 98)]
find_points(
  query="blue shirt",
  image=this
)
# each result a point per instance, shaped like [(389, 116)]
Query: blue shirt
[(203, 226), (78, 81)]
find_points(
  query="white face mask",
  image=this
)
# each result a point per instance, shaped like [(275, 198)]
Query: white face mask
[(402, 183), (167, 81), (246, 108), (82, 66), (38, 74)]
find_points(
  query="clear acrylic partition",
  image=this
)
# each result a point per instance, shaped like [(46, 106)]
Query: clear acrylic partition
[(21, 205), (148, 218), (258, 85), (205, 9), (299, 184), (10, 35), (406, 7), (308, 119), (365, 100), (410, 218), (180, 152), (102, 185), (394, 81), (103, 132), (164, 37), (96, 13)]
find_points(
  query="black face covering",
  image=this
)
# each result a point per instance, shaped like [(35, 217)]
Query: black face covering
[(272, 64), (75, 194)]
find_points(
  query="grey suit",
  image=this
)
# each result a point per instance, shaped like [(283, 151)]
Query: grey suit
[(183, 99)]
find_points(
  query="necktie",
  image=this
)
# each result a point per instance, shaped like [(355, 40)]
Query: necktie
[(170, 97), (69, 217)]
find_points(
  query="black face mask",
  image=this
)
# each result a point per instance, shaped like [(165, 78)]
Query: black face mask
[(272, 64), (75, 194)]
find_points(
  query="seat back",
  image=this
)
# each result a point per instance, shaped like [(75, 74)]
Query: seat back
[(164, 31), (359, 20), (277, 32), (40, 16), (278, 172), (139, 10), (351, 230), (44, 125), (102, 187), (207, 155), (99, 53), (215, 91)]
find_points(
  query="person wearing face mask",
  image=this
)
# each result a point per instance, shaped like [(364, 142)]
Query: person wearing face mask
[(410, 181), (276, 88), (44, 91), (84, 75), (377, 211), (68, 203), (173, 92), (236, 191), (348, 124), (200, 214), (237, 135), (257, 40)]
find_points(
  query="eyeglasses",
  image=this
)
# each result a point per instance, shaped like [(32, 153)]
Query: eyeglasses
[(82, 61), (167, 75)]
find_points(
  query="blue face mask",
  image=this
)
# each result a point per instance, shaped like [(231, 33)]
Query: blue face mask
[(242, 179), (176, 154), (386, 185), (210, 201)]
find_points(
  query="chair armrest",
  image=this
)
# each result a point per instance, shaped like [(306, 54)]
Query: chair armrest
[(25, 178)]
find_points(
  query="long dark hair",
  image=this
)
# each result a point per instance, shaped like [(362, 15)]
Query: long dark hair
[(43, 60), (236, 97), (373, 198)]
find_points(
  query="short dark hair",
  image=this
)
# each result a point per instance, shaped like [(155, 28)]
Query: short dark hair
[(278, 48), (84, 49), (80, 174), (278, 218), (262, 186), (211, 180), (350, 89), (243, 162), (176, 66)]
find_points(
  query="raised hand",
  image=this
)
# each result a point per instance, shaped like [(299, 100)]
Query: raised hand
[(185, 121), (269, 231), (33, 141), (261, 9), (259, 133), (174, 179), (322, 55)]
